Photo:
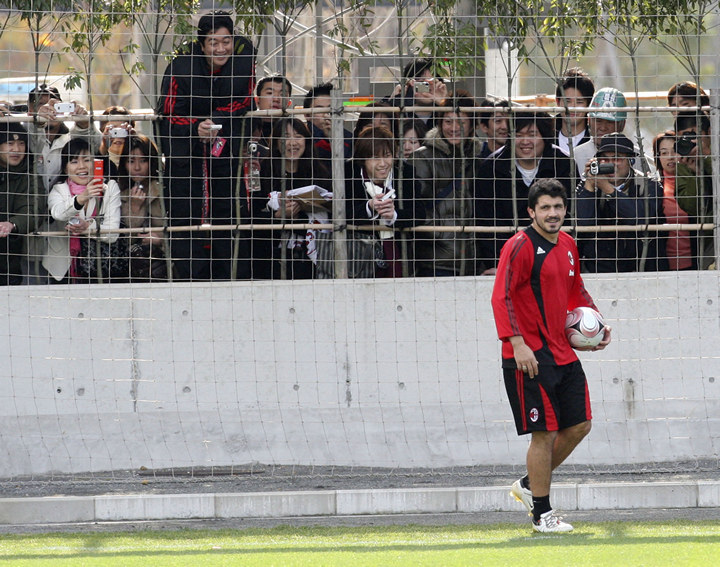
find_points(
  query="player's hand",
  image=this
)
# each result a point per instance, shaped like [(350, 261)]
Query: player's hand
[(524, 357), (606, 339)]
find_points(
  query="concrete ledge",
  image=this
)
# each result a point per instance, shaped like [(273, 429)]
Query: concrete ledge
[(138, 507), (611, 495), (275, 504), (154, 507), (396, 501), (48, 510)]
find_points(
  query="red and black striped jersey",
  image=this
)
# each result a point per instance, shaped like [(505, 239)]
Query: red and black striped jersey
[(536, 284)]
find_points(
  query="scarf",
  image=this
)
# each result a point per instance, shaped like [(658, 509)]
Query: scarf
[(75, 243)]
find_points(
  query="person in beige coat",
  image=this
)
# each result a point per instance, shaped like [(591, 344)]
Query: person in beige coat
[(81, 204)]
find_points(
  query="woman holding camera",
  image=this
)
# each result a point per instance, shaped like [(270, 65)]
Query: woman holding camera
[(81, 204)]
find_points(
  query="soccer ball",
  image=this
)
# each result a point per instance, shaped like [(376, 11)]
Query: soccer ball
[(584, 328)]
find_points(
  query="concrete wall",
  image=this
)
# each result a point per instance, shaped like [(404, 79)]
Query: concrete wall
[(402, 374)]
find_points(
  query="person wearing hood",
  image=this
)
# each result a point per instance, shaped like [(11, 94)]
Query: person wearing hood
[(15, 211), (205, 94), (503, 180), (443, 168)]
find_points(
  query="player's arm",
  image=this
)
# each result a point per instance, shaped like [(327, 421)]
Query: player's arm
[(510, 273), (579, 297)]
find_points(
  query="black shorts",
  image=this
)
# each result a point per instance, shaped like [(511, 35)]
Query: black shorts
[(557, 398)]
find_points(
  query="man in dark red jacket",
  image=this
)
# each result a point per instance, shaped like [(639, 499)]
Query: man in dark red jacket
[(537, 282), (206, 91)]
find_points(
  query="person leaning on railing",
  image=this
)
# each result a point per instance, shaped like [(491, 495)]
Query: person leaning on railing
[(380, 190), (294, 190), (621, 195), (502, 181), (443, 167), (694, 181), (206, 92), (16, 219)]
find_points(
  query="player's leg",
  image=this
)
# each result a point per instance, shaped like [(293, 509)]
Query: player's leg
[(566, 441), (539, 461)]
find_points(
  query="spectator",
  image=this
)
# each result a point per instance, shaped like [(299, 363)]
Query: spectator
[(423, 87), (50, 135), (443, 167), (114, 134), (15, 217), (413, 136), (381, 116), (694, 181), (205, 95), (601, 122), (575, 88), (494, 125), (290, 169), (621, 197), (142, 207), (320, 124), (502, 185), (687, 94), (377, 192), (678, 249), (81, 204), (271, 93)]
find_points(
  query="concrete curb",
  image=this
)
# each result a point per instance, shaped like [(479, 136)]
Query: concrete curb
[(141, 507)]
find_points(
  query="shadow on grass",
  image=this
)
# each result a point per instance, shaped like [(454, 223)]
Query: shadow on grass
[(98, 546)]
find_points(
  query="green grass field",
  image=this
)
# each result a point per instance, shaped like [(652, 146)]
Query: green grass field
[(611, 543)]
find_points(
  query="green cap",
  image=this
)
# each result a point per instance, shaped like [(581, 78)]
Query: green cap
[(608, 97)]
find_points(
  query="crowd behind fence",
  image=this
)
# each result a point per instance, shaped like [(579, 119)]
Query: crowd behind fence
[(429, 181)]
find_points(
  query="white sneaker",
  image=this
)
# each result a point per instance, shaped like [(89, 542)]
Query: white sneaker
[(550, 523), (522, 494)]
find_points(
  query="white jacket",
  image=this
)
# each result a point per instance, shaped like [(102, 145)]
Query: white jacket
[(61, 203)]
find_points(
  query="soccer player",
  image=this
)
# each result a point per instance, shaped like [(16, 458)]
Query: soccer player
[(538, 281)]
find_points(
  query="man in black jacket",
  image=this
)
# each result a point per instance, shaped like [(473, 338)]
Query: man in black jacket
[(499, 201), (206, 91)]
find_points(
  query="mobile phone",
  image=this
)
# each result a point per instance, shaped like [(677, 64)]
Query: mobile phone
[(216, 127), (422, 87), (98, 169), (64, 107), (118, 133)]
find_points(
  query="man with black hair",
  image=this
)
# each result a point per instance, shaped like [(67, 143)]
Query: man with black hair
[(206, 91), (619, 196), (538, 281), (494, 125), (320, 124), (575, 89), (694, 181), (16, 216), (271, 93), (687, 94), (424, 86), (497, 203)]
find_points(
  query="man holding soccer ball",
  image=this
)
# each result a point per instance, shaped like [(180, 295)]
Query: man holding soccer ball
[(538, 281)]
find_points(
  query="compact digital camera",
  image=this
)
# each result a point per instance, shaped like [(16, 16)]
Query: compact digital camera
[(64, 107), (601, 168)]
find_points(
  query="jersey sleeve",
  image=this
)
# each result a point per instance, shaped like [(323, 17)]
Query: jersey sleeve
[(512, 271)]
